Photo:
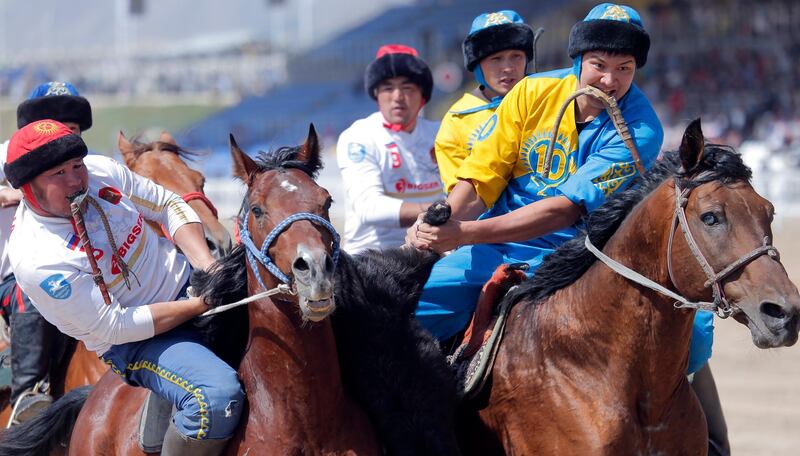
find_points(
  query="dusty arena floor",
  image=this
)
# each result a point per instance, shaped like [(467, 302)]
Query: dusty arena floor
[(760, 389)]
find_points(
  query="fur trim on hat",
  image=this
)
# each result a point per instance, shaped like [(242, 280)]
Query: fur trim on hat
[(63, 108), (29, 165), (487, 41), (612, 36), (399, 64)]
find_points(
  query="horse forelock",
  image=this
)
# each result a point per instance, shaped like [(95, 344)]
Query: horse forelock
[(287, 158), (569, 262)]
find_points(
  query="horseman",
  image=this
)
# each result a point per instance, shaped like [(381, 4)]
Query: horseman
[(33, 339), (120, 290), (497, 51), (387, 159), (504, 209)]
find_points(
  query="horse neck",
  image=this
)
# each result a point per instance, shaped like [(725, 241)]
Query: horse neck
[(290, 358), (617, 330)]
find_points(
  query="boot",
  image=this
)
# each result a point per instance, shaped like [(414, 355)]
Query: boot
[(177, 444), (31, 340), (706, 391)]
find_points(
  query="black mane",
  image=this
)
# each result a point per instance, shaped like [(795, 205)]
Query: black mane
[(140, 147), (568, 263), (286, 158)]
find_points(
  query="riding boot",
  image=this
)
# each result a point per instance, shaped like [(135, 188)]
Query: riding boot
[(177, 444), (31, 340), (706, 391)]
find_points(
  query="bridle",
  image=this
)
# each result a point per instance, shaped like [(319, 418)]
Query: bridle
[(262, 254), (720, 305)]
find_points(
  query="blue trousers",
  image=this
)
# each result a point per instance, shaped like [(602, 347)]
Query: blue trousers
[(451, 293), (175, 365)]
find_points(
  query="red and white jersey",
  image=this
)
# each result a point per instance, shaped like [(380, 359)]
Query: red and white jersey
[(381, 169), (51, 267)]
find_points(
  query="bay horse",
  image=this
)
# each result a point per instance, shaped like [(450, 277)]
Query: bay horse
[(301, 368), (163, 162), (593, 363)]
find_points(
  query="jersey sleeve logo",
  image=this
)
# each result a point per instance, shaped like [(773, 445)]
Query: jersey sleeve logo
[(56, 286), (356, 152), (110, 194)]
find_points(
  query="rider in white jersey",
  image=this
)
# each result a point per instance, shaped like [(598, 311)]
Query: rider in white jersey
[(52, 267), (387, 160), (135, 328)]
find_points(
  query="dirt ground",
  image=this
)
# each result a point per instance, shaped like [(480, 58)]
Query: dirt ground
[(760, 389)]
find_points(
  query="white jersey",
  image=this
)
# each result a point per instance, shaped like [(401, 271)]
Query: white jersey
[(51, 267), (6, 217), (381, 169)]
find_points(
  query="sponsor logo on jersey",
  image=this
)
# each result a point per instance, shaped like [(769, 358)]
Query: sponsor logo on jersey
[(56, 286), (127, 244), (110, 194), (403, 186)]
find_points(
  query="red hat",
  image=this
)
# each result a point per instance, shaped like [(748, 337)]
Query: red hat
[(39, 146)]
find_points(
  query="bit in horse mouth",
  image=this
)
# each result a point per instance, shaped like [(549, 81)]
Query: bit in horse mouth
[(318, 307)]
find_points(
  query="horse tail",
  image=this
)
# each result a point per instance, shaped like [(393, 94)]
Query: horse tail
[(50, 428)]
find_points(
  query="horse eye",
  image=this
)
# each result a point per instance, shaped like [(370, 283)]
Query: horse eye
[(257, 212), (709, 219)]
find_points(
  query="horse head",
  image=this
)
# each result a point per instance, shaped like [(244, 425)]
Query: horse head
[(163, 162), (285, 224), (729, 223)]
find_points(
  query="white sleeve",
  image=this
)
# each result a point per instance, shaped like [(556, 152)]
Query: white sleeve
[(363, 185), (3, 154), (155, 203), (72, 297)]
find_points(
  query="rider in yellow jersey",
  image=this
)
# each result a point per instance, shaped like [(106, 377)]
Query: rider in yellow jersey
[(497, 51)]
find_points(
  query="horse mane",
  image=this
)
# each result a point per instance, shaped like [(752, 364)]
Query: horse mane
[(287, 158), (140, 147), (568, 263)]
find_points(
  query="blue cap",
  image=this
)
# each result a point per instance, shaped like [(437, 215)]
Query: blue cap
[(53, 88), (495, 32), (613, 28)]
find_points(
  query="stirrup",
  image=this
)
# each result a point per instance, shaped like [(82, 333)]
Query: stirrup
[(41, 388)]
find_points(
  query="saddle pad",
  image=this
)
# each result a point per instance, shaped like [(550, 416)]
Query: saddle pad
[(153, 422), (474, 358)]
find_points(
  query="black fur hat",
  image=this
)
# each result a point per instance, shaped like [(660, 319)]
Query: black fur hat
[(613, 28), (495, 32), (395, 60), (58, 101), (39, 146)]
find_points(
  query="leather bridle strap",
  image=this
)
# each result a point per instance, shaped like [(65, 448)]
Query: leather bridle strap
[(202, 197), (714, 279)]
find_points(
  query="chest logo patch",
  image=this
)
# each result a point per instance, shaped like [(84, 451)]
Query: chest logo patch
[(56, 286)]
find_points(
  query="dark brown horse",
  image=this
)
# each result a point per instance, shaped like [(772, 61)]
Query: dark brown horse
[(290, 368), (593, 363), (163, 162)]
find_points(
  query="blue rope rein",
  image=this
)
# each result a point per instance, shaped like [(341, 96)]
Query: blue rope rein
[(262, 255)]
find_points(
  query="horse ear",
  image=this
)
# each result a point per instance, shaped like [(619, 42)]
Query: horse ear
[(243, 165), (692, 146), (167, 138), (126, 148), (309, 151)]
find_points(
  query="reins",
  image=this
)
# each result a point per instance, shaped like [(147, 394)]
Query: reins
[(720, 304)]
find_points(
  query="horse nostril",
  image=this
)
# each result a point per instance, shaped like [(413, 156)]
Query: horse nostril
[(773, 310), (328, 264), (300, 265)]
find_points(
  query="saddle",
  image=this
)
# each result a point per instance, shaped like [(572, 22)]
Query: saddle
[(153, 422), (474, 357)]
